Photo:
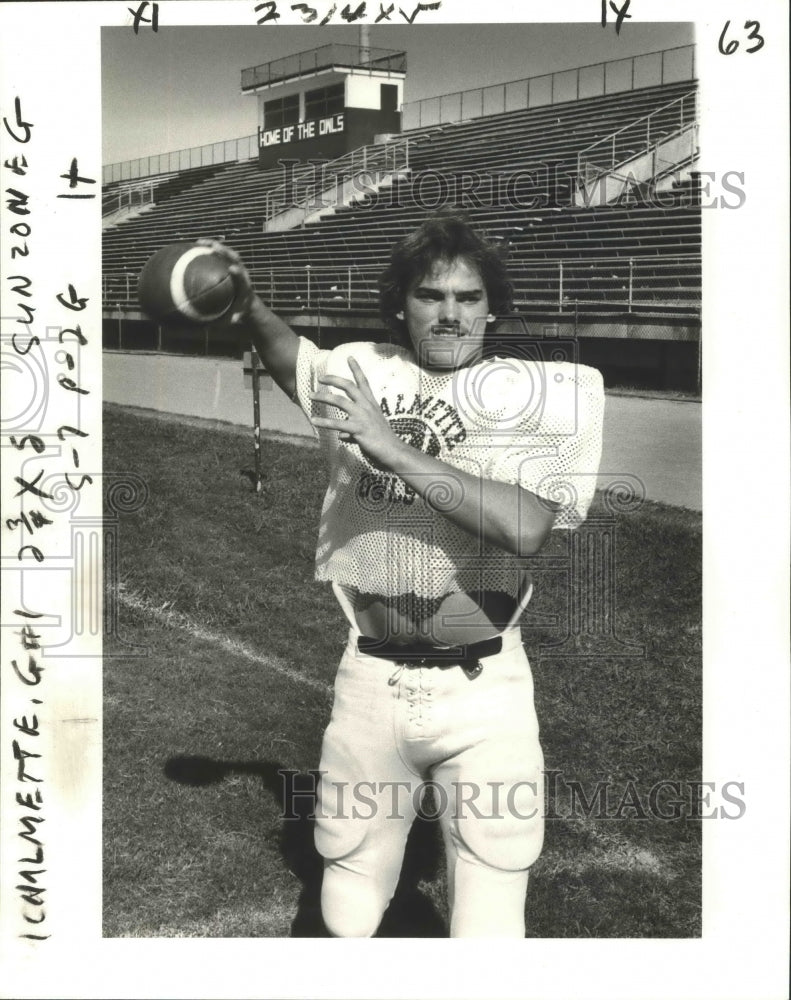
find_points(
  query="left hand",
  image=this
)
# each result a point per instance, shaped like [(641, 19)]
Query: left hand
[(364, 423)]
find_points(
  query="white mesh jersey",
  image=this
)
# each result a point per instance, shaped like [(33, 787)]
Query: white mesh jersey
[(538, 424)]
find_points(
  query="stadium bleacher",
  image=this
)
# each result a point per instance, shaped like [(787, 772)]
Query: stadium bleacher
[(514, 173)]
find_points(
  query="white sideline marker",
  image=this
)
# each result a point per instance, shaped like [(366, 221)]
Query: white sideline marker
[(176, 619)]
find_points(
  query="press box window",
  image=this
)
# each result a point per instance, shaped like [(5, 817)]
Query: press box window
[(283, 111), (325, 102), (389, 97)]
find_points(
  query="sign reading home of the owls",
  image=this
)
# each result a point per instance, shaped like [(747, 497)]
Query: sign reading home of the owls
[(310, 129)]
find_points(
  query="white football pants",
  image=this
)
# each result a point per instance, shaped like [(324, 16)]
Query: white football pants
[(393, 732)]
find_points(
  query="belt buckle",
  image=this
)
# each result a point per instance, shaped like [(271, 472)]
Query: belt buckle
[(472, 668), (423, 661), (410, 661)]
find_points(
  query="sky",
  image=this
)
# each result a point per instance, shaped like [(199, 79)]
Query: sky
[(180, 86)]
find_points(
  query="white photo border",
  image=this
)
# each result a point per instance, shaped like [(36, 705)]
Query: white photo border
[(51, 61)]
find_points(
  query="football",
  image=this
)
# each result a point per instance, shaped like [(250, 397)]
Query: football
[(185, 282)]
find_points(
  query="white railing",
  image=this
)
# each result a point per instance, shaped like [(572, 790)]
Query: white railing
[(638, 137), (224, 151), (649, 69), (622, 281), (128, 197), (611, 282), (310, 183)]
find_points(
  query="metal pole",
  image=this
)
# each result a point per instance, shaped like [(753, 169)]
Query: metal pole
[(349, 298), (700, 358), (365, 44), (560, 286), (256, 419), (631, 278), (307, 280)]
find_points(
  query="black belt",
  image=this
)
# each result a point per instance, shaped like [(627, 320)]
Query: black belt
[(423, 654)]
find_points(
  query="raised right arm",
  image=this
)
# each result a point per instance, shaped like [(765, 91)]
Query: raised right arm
[(276, 343)]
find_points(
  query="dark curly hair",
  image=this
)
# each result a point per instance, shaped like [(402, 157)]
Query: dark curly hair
[(447, 235)]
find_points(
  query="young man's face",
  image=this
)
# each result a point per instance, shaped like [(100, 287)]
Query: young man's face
[(445, 313)]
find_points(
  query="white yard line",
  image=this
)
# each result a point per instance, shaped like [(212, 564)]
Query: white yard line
[(178, 620)]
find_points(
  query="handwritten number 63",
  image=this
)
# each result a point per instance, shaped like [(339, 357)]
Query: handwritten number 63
[(728, 48)]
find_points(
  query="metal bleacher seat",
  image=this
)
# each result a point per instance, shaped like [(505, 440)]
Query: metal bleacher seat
[(232, 200)]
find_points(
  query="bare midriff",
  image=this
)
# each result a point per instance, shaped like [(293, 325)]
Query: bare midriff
[(450, 620)]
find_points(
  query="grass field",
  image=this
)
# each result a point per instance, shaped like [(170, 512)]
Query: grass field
[(220, 677)]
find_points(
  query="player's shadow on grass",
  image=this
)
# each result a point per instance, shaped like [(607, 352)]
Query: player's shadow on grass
[(410, 914)]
